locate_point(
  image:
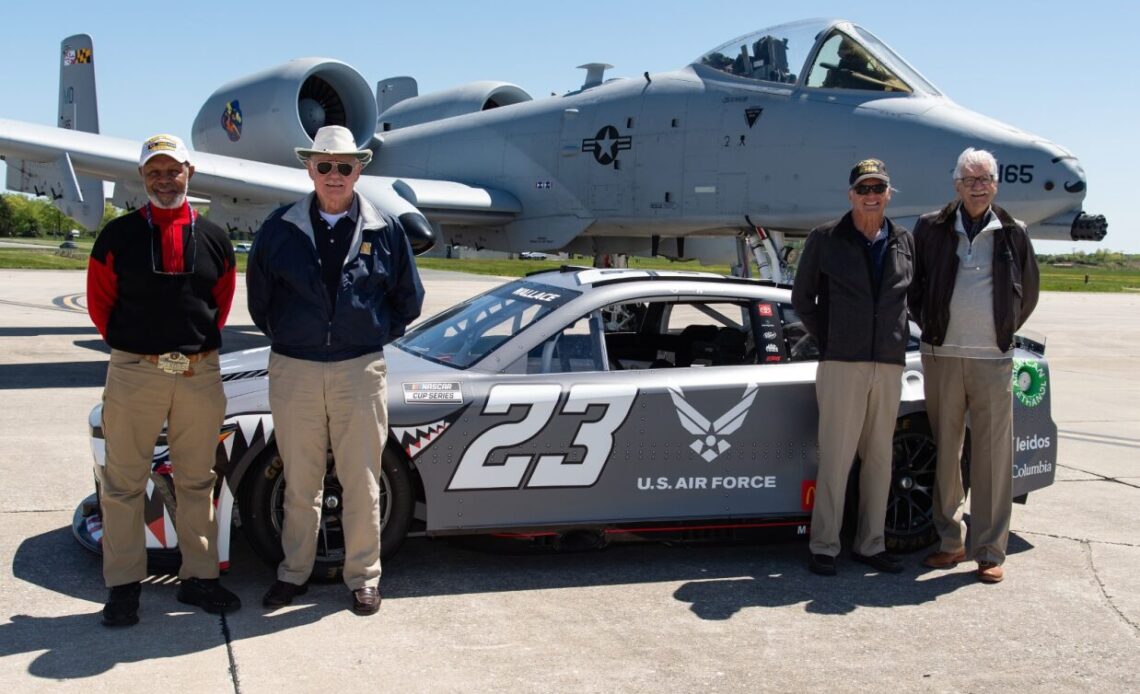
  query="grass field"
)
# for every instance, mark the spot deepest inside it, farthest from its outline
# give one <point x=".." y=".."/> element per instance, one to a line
<point x="1053" y="279"/>
<point x="1088" y="279"/>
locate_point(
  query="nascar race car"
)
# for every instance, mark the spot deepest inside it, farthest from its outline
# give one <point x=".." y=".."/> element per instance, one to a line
<point x="588" y="404"/>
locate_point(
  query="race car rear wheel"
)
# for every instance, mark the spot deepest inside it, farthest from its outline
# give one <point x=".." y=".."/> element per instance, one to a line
<point x="910" y="506"/>
<point x="262" y="511"/>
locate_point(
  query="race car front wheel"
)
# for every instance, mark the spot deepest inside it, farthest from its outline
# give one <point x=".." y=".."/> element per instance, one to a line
<point x="262" y="511"/>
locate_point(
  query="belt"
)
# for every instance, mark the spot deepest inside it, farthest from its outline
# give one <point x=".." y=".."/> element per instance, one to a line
<point x="177" y="362"/>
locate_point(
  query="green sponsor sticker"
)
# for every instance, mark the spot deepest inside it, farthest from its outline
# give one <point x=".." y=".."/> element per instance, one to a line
<point x="1029" y="382"/>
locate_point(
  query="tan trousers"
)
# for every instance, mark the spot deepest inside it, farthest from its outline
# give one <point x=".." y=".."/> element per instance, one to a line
<point x="340" y="406"/>
<point x="980" y="388"/>
<point x="137" y="399"/>
<point x="858" y="405"/>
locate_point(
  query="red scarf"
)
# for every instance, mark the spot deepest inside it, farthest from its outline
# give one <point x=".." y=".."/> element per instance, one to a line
<point x="170" y="224"/>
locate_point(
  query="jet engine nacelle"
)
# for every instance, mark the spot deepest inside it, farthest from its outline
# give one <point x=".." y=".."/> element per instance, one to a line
<point x="265" y="115"/>
<point x="467" y="98"/>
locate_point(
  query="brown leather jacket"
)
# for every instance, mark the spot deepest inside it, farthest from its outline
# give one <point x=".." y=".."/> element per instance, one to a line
<point x="1016" y="278"/>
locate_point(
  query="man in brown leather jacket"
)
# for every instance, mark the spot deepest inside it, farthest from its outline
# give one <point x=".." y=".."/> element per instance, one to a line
<point x="975" y="283"/>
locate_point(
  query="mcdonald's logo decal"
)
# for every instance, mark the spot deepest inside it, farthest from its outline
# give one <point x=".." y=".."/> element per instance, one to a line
<point x="807" y="494"/>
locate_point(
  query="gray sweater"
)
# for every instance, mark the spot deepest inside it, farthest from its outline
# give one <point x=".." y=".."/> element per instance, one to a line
<point x="970" y="332"/>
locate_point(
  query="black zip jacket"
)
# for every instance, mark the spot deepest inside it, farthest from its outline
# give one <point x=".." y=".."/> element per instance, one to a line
<point x="837" y="300"/>
<point x="1016" y="278"/>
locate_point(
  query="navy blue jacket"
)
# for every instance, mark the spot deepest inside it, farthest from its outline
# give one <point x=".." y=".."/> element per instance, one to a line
<point x="380" y="291"/>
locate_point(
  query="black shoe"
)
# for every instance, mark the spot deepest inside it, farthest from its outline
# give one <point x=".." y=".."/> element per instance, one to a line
<point x="822" y="564"/>
<point x="281" y="593"/>
<point x="887" y="563"/>
<point x="366" y="600"/>
<point x="208" y="594"/>
<point x="122" y="608"/>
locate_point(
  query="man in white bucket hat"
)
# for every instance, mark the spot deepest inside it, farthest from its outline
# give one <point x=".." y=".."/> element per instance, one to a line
<point x="330" y="281"/>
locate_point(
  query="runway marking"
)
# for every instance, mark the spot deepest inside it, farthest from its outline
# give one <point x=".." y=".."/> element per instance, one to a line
<point x="69" y="303"/>
<point x="1100" y="438"/>
<point x="72" y="302"/>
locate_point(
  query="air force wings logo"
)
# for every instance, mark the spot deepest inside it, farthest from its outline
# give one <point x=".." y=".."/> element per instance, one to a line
<point x="711" y="441"/>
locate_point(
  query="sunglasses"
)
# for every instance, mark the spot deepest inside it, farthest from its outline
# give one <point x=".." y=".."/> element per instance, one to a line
<point x="324" y="167"/>
<point x="867" y="189"/>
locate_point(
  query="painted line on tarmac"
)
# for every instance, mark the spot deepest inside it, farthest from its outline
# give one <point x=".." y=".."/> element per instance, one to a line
<point x="1100" y="438"/>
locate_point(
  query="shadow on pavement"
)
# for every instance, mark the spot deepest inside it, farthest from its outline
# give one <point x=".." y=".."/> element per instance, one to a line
<point x="91" y="374"/>
<point x="78" y="646"/>
<point x="718" y="582"/>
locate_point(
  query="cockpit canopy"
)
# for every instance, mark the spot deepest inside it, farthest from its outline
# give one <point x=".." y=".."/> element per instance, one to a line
<point x="818" y="54"/>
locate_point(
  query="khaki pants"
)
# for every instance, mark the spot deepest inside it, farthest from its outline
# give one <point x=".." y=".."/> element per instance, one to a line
<point x="858" y="405"/>
<point x="137" y="399"/>
<point x="342" y="406"/>
<point x="980" y="388"/>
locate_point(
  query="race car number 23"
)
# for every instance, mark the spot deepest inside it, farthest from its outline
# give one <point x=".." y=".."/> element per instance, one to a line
<point x="475" y="471"/>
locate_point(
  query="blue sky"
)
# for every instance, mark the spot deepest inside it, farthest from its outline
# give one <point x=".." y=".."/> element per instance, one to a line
<point x="1061" y="70"/>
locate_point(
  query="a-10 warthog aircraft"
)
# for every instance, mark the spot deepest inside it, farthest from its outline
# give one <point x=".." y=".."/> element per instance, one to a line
<point x="751" y="141"/>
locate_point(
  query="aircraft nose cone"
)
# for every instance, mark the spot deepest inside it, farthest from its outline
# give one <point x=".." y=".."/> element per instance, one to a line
<point x="1073" y="176"/>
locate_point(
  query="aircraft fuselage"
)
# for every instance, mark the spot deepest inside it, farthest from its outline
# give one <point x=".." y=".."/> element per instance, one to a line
<point x="697" y="152"/>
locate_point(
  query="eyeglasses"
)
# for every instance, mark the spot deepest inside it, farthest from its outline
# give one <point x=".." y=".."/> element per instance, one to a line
<point x="971" y="181"/>
<point x="868" y="188"/>
<point x="324" y="167"/>
<point x="188" y="265"/>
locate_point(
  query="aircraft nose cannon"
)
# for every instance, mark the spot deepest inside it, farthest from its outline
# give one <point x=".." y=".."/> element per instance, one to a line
<point x="1087" y="227"/>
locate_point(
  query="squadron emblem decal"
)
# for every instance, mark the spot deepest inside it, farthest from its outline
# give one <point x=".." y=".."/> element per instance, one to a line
<point x="711" y="441"/>
<point x="606" y="145"/>
<point x="231" y="120"/>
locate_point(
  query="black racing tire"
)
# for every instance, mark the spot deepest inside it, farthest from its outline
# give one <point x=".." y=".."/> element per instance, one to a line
<point x="910" y="506"/>
<point x="909" y="524"/>
<point x="262" y="511"/>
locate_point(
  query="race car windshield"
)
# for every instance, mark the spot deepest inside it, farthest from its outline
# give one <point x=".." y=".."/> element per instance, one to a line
<point x="466" y="333"/>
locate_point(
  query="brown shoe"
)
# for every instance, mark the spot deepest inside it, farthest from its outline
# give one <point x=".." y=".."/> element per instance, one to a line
<point x="989" y="572"/>
<point x="366" y="600"/>
<point x="944" y="560"/>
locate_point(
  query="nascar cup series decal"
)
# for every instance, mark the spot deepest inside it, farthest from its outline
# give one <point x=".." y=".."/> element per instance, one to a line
<point x="1029" y="382"/>
<point x="432" y="392"/>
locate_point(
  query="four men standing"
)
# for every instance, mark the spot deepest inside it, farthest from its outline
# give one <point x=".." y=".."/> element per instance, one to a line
<point x="331" y="280"/>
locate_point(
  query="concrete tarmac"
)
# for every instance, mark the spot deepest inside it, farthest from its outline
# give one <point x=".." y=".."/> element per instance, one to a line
<point x="631" y="618"/>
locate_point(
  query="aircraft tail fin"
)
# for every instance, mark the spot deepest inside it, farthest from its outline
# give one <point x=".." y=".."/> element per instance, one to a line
<point x="78" y="197"/>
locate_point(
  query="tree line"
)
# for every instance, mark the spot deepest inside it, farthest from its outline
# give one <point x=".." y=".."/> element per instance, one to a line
<point x="25" y="217"/>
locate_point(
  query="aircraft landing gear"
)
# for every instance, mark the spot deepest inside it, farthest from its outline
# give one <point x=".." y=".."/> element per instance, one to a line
<point x="767" y="250"/>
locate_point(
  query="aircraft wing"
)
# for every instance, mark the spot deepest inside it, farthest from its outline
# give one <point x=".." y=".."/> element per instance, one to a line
<point x="242" y="191"/>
